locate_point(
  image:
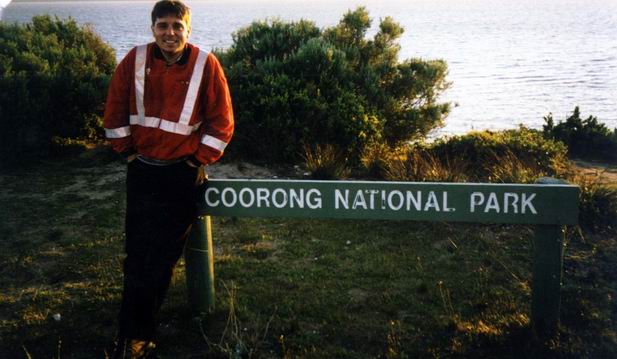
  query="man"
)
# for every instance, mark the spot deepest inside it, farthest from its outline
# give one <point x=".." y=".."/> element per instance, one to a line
<point x="168" y="112"/>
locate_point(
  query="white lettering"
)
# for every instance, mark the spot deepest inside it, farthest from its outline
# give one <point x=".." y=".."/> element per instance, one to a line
<point x="372" y="194"/>
<point x="251" y="200"/>
<point x="431" y="202"/>
<point x="444" y="201"/>
<point x="340" y="199"/>
<point x="314" y="202"/>
<point x="359" y="200"/>
<point x="298" y="198"/>
<point x="417" y="201"/>
<point x="527" y="203"/>
<point x="507" y="203"/>
<point x="401" y="200"/>
<point x="262" y="196"/>
<point x="276" y="203"/>
<point x="477" y="198"/>
<point x="492" y="203"/>
<point x="211" y="203"/>
<point x="234" y="197"/>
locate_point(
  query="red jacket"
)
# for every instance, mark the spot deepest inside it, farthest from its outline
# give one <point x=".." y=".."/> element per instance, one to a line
<point x="169" y="112"/>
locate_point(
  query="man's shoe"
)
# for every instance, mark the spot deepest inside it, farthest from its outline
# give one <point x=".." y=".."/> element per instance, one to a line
<point x="142" y="349"/>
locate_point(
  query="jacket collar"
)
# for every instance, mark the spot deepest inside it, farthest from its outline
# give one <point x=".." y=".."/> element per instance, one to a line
<point x="158" y="54"/>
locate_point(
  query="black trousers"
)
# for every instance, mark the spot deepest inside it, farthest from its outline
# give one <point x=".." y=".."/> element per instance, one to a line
<point x="160" y="210"/>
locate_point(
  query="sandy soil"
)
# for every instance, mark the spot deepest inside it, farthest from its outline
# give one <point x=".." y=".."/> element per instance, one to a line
<point x="238" y="170"/>
<point x="606" y="173"/>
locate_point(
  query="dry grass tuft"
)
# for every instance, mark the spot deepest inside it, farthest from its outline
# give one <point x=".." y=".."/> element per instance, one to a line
<point x="598" y="204"/>
<point x="325" y="162"/>
<point x="420" y="165"/>
<point x="508" y="168"/>
<point x="238" y="340"/>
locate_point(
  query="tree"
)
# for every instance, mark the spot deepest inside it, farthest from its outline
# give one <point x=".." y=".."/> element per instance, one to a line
<point x="588" y="138"/>
<point x="54" y="76"/>
<point x="294" y="84"/>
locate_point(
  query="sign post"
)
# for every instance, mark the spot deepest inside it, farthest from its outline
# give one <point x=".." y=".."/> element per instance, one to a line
<point x="199" y="260"/>
<point x="549" y="205"/>
<point x="546" y="279"/>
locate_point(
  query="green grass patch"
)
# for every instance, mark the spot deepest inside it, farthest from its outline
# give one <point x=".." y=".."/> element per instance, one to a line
<point x="289" y="288"/>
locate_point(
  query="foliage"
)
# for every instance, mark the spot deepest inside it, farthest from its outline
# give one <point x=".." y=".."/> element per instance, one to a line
<point x="325" y="162"/>
<point x="54" y="75"/>
<point x="508" y="168"/>
<point x="598" y="205"/>
<point x="510" y="156"/>
<point x="295" y="84"/>
<point x="484" y="150"/>
<point x="421" y="165"/>
<point x="376" y="158"/>
<point x="588" y="138"/>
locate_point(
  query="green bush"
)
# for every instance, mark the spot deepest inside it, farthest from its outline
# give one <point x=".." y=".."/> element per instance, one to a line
<point x="598" y="205"/>
<point x="294" y="84"/>
<point x="510" y="156"/>
<point x="54" y="76"/>
<point x="587" y="139"/>
<point x="325" y="162"/>
<point x="421" y="165"/>
<point x="484" y="151"/>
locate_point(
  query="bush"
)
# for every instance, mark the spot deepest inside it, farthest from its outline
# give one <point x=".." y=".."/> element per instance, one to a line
<point x="325" y="162"/>
<point x="484" y="151"/>
<point x="587" y="139"/>
<point x="421" y="165"/>
<point x="511" y="156"/>
<point x="376" y="158"/>
<point x="295" y="84"/>
<point x="598" y="205"/>
<point x="54" y="76"/>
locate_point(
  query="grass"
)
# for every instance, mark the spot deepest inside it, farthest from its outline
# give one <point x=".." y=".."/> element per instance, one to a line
<point x="288" y="288"/>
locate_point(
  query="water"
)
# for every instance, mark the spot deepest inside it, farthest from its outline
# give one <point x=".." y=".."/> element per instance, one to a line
<point x="511" y="62"/>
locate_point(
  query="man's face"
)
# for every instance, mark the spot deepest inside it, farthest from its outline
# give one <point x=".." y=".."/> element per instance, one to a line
<point x="171" y="34"/>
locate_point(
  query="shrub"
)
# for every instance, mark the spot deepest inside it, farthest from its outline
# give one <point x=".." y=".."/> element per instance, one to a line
<point x="325" y="162"/>
<point x="598" y="205"/>
<point x="421" y="165"/>
<point x="511" y="156"/>
<point x="508" y="168"/>
<point x="54" y="76"/>
<point x="485" y="150"/>
<point x="376" y="158"/>
<point x="293" y="84"/>
<point x="587" y="139"/>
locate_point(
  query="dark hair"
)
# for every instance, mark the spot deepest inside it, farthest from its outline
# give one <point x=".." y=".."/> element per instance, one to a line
<point x="176" y="8"/>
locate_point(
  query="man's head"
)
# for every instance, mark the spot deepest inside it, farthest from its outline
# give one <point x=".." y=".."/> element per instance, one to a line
<point x="171" y="25"/>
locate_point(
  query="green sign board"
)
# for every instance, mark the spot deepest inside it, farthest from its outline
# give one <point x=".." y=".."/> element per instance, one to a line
<point x="451" y="202"/>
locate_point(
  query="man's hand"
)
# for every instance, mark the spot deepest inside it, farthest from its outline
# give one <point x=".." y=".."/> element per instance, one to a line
<point x="131" y="158"/>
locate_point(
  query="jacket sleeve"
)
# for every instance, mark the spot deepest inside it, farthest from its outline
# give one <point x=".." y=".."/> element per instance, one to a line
<point x="117" y="107"/>
<point x="218" y="124"/>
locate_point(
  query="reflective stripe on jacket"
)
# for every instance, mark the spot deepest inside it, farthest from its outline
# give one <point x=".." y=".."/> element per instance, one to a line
<point x="168" y="112"/>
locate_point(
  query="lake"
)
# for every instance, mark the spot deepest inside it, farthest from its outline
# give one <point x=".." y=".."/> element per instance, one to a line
<point x="511" y="61"/>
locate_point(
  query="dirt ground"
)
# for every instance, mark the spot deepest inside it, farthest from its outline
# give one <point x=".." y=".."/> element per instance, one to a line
<point x="606" y="173"/>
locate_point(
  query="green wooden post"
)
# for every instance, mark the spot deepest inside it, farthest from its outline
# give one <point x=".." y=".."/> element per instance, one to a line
<point x="199" y="259"/>
<point x="546" y="281"/>
<point x="547" y="274"/>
